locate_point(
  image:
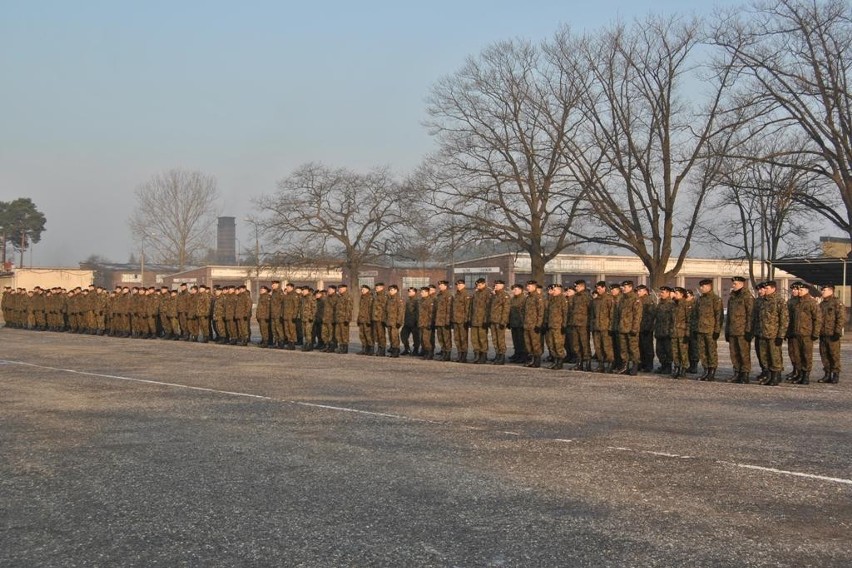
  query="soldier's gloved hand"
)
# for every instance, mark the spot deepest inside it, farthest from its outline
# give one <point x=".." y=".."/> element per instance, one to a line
<point x="749" y="336"/>
<point x="835" y="337"/>
<point x="716" y="336"/>
<point x="779" y="341"/>
<point x="633" y="334"/>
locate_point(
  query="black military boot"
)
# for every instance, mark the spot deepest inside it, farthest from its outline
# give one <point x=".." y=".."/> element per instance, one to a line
<point x="536" y="363"/>
<point x="692" y="369"/>
<point x="406" y="351"/>
<point x="476" y="360"/>
<point x="804" y="378"/>
<point x="395" y="353"/>
<point x="736" y="378"/>
<point x="825" y="377"/>
<point x="774" y="379"/>
<point x="675" y="371"/>
<point x="462" y="358"/>
<point x="703" y="376"/>
<point x="380" y="352"/>
<point x="500" y="359"/>
<point x="835" y="378"/>
<point x="792" y="376"/>
<point x="745" y="378"/>
<point x="711" y="376"/>
<point x="631" y="369"/>
<point x="558" y="364"/>
<point x="763" y="374"/>
<point x="448" y="355"/>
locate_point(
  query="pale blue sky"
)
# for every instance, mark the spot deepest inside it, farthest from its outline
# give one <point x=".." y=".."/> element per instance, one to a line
<point x="97" y="96"/>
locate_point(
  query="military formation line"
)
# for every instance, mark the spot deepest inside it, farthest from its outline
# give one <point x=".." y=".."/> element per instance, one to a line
<point x="619" y="329"/>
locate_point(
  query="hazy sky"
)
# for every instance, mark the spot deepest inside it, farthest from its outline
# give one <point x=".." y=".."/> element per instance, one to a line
<point x="98" y="96"/>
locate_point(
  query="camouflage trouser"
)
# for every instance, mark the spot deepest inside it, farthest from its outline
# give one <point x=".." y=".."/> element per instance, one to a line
<point x="629" y="347"/>
<point x="365" y="335"/>
<point x="532" y="341"/>
<point x="708" y="351"/>
<point x="192" y="324"/>
<point x="204" y="327"/>
<point x="277" y="328"/>
<point x="555" y="342"/>
<point x="664" y="350"/>
<point x="829" y="352"/>
<point x="479" y="338"/>
<point x="759" y="352"/>
<point x="233" y="332"/>
<point x="693" y="349"/>
<point x="219" y="324"/>
<point x="393" y="335"/>
<point x="341" y="333"/>
<point x="793" y="352"/>
<point x="771" y="354"/>
<point x="680" y="352"/>
<point x="498" y="337"/>
<point x="182" y="317"/>
<point x="380" y="338"/>
<point x="307" y="330"/>
<point x="265" y="331"/>
<point x="426" y="339"/>
<point x="579" y="337"/>
<point x="243" y="329"/>
<point x="740" y="353"/>
<point x="803" y="347"/>
<point x="445" y="338"/>
<point x="460" y="335"/>
<point x="603" y="346"/>
<point x="289" y="330"/>
<point x="327" y="333"/>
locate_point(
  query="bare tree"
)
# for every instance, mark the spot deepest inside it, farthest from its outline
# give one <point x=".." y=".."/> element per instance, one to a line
<point x="175" y="214"/>
<point x="648" y="135"/>
<point x="333" y="213"/>
<point x="758" y="212"/>
<point x="795" y="57"/>
<point x="503" y="123"/>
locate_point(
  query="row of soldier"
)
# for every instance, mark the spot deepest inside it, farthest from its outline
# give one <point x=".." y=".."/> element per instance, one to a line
<point x="622" y="324"/>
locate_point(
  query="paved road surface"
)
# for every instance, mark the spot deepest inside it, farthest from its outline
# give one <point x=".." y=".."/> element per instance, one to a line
<point x="141" y="453"/>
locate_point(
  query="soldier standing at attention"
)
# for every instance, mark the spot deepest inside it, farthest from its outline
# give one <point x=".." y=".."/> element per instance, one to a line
<point x="708" y="326"/>
<point x="663" y="330"/>
<point x="680" y="332"/>
<point x="425" y="321"/>
<point x="578" y="326"/>
<point x="316" y="333"/>
<point x="808" y="324"/>
<point x="276" y="315"/>
<point x="444" y="319"/>
<point x="557" y="310"/>
<point x="289" y="315"/>
<point x="342" y="318"/>
<point x="516" y="324"/>
<point x="377" y="319"/>
<point x="646" y="329"/>
<point x="394" y="316"/>
<point x="183" y="310"/>
<point x="770" y="325"/>
<point x="219" y="326"/>
<point x="308" y="310"/>
<point x="792" y="350"/>
<point x="243" y="314"/>
<point x="533" y="321"/>
<point x="571" y="356"/>
<point x="629" y="321"/>
<point x="764" y="371"/>
<point x="693" y="336"/>
<point x="461" y="320"/>
<point x="479" y="321"/>
<point x="738" y="329"/>
<point x="618" y="364"/>
<point x="498" y="317"/>
<point x="328" y="308"/>
<point x="833" y="323"/>
<point x="601" y="311"/>
<point x="263" y="314"/>
<point x="365" y="321"/>
<point x="410" y="333"/>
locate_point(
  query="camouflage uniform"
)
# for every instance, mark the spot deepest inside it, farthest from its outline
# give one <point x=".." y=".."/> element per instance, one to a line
<point x="554" y="321"/>
<point x="377" y="320"/>
<point x="263" y="315"/>
<point x="394" y="317"/>
<point x="242" y="313"/>
<point x="342" y="320"/>
<point x="276" y="315"/>
<point x="578" y="329"/>
<point x="603" y="310"/>
<point x="663" y="334"/>
<point x="308" y="309"/>
<point x="738" y="332"/>
<point x="516" y="324"/>
<point x="443" y="322"/>
<point x="479" y="323"/>
<point x="365" y="323"/>
<point x="461" y="322"/>
<point x="805" y="331"/>
<point x="629" y="322"/>
<point x="770" y="325"/>
<point x="533" y="320"/>
<point x="498" y="317"/>
<point x="425" y="321"/>
<point x="707" y="314"/>
<point x="679" y="332"/>
<point x="833" y="323"/>
<point x="646" y="333"/>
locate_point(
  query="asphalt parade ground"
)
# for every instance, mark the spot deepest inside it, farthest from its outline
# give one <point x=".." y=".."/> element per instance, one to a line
<point x="121" y="452"/>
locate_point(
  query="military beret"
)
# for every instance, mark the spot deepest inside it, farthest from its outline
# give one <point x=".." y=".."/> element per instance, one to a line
<point x="364" y="287"/>
<point x="344" y="285"/>
<point x="499" y="282"/>
<point x="289" y="285"/>
<point x="705" y="282"/>
<point x="641" y="287"/>
<point x="460" y="281"/>
<point x="615" y="286"/>
<point x="627" y="283"/>
<point x="827" y="286"/>
<point x="579" y="282"/>
<point x="737" y="279"/>
<point x="601" y="284"/>
<point x="332" y="287"/>
<point x="517" y="286"/>
<point x="690" y="293"/>
<point x="770" y="284"/>
<point x="532" y="283"/>
<point x="264" y="288"/>
<point x="556" y="285"/>
<point x="412" y="289"/>
<point x="480" y="281"/>
<point x="444" y="282"/>
<point x="391" y="287"/>
<point x="680" y="290"/>
<point x="666" y="289"/>
<point x="424" y="289"/>
<point x="382" y="284"/>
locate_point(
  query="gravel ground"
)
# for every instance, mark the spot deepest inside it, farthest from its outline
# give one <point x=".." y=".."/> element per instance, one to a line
<point x="145" y="453"/>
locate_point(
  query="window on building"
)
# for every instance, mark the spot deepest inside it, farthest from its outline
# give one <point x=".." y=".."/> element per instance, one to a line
<point x="366" y="281"/>
<point x="414" y="281"/>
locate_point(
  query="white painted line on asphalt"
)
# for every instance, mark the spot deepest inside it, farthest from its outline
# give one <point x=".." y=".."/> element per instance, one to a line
<point x="410" y="419"/>
<point x="357" y="411"/>
<point x="563" y="440"/>
<point x="131" y="379"/>
<point x="785" y="472"/>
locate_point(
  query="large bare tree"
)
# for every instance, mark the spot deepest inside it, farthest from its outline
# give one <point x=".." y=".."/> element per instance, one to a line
<point x="175" y="214"/>
<point x="333" y="213"/>
<point x="794" y="58"/>
<point x="758" y="212"/>
<point x="502" y="124"/>
<point x="648" y="134"/>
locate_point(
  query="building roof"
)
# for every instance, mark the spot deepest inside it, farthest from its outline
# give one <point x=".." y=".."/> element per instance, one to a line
<point x="816" y="270"/>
